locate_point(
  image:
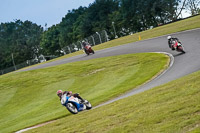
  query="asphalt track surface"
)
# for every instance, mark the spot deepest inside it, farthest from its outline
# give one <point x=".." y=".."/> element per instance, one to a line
<point x="182" y="64"/>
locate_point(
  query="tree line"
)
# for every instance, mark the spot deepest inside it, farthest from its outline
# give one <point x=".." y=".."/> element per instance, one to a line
<point x="20" y="40"/>
<point x="26" y="40"/>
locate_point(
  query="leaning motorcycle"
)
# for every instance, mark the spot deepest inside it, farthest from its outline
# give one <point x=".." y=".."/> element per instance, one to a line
<point x="178" y="46"/>
<point x="88" y="49"/>
<point x="74" y="105"/>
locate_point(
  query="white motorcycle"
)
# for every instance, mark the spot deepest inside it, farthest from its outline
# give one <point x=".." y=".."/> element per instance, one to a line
<point x="74" y="105"/>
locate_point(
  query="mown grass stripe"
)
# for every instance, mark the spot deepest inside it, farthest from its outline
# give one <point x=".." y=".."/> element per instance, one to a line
<point x="35" y="100"/>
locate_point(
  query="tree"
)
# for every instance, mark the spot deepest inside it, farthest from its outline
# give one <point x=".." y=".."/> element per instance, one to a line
<point x="20" y="39"/>
<point x="193" y="6"/>
<point x="181" y="8"/>
<point x="50" y="42"/>
<point x="97" y="16"/>
<point x="69" y="27"/>
<point x="139" y="15"/>
<point x="125" y="16"/>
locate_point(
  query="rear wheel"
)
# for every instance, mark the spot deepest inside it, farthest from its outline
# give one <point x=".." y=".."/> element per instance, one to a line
<point x="72" y="108"/>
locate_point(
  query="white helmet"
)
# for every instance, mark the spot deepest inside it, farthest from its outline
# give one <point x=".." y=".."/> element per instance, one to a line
<point x="169" y="37"/>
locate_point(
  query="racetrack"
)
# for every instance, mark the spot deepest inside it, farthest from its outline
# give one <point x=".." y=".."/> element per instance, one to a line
<point x="183" y="63"/>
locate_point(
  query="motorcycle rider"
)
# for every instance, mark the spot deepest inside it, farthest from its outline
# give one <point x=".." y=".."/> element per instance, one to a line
<point x="83" y="45"/>
<point x="170" y="42"/>
<point x="60" y="94"/>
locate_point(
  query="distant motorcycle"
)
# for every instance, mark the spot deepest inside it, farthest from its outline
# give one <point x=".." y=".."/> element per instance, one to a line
<point x="74" y="105"/>
<point x="177" y="46"/>
<point x="88" y="49"/>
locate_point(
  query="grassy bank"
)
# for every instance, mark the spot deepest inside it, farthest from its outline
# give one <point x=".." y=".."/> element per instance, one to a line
<point x="29" y="98"/>
<point x="170" y="108"/>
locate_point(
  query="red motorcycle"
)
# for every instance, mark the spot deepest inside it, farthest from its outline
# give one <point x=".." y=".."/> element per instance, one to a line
<point x="88" y="49"/>
<point x="177" y="46"/>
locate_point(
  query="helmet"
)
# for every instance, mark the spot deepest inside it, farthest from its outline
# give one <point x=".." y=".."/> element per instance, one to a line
<point x="169" y="37"/>
<point x="83" y="41"/>
<point x="59" y="92"/>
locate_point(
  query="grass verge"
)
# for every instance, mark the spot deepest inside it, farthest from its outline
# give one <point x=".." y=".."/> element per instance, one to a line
<point x="170" y="108"/>
<point x="29" y="98"/>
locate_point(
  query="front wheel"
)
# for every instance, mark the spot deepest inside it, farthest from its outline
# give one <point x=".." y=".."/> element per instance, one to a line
<point x="88" y="105"/>
<point x="180" y="48"/>
<point x="71" y="108"/>
<point x="87" y="52"/>
<point x="183" y="51"/>
<point x="93" y="51"/>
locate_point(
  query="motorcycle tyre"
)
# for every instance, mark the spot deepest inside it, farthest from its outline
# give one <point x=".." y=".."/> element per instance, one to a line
<point x="181" y="50"/>
<point x="93" y="51"/>
<point x="88" y="105"/>
<point x="70" y="110"/>
<point x="87" y="52"/>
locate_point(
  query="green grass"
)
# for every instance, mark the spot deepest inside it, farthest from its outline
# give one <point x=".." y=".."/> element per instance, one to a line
<point x="29" y="98"/>
<point x="170" y="108"/>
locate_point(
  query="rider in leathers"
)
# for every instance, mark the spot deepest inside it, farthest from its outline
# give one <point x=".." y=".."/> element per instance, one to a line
<point x="60" y="93"/>
<point x="170" y="41"/>
<point x="84" y="44"/>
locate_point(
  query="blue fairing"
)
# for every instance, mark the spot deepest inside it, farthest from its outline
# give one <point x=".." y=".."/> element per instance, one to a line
<point x="80" y="107"/>
<point x="67" y="98"/>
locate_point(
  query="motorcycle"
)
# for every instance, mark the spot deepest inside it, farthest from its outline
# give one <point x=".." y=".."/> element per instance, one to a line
<point x="74" y="105"/>
<point x="88" y="49"/>
<point x="178" y="46"/>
